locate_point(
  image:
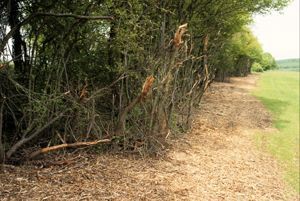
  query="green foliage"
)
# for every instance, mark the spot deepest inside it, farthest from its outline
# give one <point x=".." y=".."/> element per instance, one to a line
<point x="247" y="44"/>
<point x="279" y="91"/>
<point x="268" y="62"/>
<point x="256" y="67"/>
<point x="96" y="68"/>
<point x="240" y="52"/>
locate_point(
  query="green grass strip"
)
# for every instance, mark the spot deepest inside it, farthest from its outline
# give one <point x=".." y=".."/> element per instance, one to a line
<point x="279" y="92"/>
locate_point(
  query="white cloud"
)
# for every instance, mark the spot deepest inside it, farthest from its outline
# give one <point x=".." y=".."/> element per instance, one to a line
<point x="278" y="32"/>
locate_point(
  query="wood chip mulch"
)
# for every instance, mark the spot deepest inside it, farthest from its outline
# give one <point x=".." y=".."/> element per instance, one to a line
<point x="216" y="160"/>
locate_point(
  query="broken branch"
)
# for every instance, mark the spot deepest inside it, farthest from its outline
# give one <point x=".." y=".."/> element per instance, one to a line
<point x="178" y="35"/>
<point x="145" y="90"/>
<point x="62" y="146"/>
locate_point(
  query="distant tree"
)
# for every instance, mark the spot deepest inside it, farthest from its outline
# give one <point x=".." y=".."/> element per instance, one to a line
<point x="268" y="62"/>
<point x="256" y="67"/>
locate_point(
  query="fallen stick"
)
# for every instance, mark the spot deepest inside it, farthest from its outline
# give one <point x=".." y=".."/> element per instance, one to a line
<point x="62" y="146"/>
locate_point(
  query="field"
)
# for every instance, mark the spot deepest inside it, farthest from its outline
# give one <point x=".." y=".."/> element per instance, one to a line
<point x="279" y="92"/>
<point x="289" y="64"/>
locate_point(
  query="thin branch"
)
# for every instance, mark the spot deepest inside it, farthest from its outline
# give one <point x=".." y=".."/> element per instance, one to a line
<point x="96" y="93"/>
<point x="24" y="140"/>
<point x="84" y="17"/>
<point x="28" y="19"/>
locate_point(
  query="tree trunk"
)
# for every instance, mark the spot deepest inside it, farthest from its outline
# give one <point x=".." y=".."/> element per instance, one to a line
<point x="2" y="151"/>
<point x="13" y="19"/>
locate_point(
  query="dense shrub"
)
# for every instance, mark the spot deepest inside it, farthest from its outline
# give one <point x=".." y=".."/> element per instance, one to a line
<point x="126" y="71"/>
<point x="256" y="67"/>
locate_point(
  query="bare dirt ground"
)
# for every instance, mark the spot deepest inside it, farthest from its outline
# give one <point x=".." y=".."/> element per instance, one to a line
<point x="216" y="160"/>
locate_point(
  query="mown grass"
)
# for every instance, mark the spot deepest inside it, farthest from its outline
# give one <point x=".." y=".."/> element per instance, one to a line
<point x="279" y="92"/>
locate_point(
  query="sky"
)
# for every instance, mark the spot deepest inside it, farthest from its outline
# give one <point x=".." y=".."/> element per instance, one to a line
<point x="278" y="32"/>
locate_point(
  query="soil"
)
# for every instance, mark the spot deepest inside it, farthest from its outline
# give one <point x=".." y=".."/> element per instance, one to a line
<point x="216" y="160"/>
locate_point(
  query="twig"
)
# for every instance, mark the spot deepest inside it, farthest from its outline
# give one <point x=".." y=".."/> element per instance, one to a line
<point x="85" y="17"/>
<point x="95" y="94"/>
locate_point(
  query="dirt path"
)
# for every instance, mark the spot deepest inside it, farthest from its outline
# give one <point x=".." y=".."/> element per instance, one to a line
<point x="216" y="160"/>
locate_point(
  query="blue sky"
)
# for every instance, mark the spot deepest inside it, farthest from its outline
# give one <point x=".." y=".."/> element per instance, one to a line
<point x="278" y="32"/>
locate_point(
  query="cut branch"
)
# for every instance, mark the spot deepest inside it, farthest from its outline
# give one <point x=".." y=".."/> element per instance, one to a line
<point x="62" y="146"/>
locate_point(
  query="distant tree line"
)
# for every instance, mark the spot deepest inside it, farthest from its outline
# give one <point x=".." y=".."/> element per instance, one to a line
<point x="289" y="64"/>
<point x="126" y="73"/>
<point x="241" y="54"/>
